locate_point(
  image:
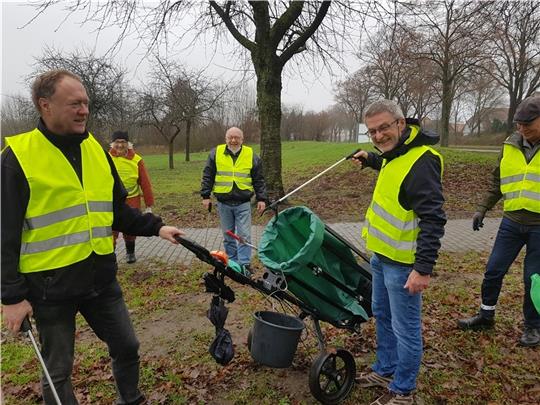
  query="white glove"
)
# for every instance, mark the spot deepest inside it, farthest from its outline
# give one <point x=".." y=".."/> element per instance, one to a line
<point x="148" y="210"/>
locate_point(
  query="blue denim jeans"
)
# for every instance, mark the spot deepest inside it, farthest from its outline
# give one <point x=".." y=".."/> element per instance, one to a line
<point x="398" y="323"/>
<point x="236" y="218"/>
<point x="511" y="238"/>
<point x="108" y="317"/>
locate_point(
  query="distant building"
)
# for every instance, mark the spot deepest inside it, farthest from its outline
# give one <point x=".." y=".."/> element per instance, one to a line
<point x="491" y="119"/>
<point x="362" y="133"/>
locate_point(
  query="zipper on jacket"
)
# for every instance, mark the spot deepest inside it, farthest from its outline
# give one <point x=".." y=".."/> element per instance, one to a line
<point x="46" y="287"/>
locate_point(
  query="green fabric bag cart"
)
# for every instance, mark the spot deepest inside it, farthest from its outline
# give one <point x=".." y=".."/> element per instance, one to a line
<point x="319" y="268"/>
<point x="308" y="265"/>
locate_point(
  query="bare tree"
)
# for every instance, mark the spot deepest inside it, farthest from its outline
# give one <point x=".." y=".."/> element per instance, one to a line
<point x="271" y="33"/>
<point x="453" y="38"/>
<point x="515" y="49"/>
<point x="102" y="78"/>
<point x="355" y="93"/>
<point x="175" y="97"/>
<point x="18" y="115"/>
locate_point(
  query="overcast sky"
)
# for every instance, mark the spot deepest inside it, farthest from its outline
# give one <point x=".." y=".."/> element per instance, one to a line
<point x="20" y="45"/>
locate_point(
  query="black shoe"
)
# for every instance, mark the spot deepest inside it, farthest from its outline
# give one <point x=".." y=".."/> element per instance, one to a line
<point x="477" y="322"/>
<point x="530" y="337"/>
<point x="130" y="258"/>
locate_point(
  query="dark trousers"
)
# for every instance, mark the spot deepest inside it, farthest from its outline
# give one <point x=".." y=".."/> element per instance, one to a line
<point x="511" y="238"/>
<point x="108" y="317"/>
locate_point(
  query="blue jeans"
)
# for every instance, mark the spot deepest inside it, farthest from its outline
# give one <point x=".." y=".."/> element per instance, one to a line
<point x="108" y="317"/>
<point x="511" y="238"/>
<point x="398" y="323"/>
<point x="236" y="218"/>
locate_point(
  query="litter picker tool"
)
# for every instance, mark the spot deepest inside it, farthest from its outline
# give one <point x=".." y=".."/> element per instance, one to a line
<point x="27" y="327"/>
<point x="241" y="240"/>
<point x="276" y="203"/>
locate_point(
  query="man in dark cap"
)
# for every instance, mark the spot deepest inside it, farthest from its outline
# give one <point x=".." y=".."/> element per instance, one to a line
<point x="132" y="172"/>
<point x="517" y="180"/>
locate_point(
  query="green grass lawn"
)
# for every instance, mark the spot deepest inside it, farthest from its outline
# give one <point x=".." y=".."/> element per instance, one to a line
<point x="168" y="307"/>
<point x="341" y="194"/>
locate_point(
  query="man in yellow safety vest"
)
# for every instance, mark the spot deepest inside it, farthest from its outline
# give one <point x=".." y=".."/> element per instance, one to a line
<point x="403" y="227"/>
<point x="234" y="173"/>
<point x="517" y="180"/>
<point x="61" y="198"/>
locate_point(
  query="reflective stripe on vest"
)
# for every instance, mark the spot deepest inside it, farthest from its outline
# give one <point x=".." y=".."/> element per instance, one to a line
<point x="229" y="172"/>
<point x="64" y="221"/>
<point x="390" y="229"/>
<point x="128" y="170"/>
<point x="520" y="181"/>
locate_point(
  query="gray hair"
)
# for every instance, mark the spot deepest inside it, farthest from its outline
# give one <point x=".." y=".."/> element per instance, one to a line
<point x="382" y="106"/>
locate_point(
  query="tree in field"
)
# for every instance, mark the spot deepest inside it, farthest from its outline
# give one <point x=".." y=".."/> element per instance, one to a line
<point x="453" y="38"/>
<point x="355" y="93"/>
<point x="18" y="115"/>
<point x="271" y="33"/>
<point x="514" y="48"/>
<point x="174" y="98"/>
<point x="102" y="78"/>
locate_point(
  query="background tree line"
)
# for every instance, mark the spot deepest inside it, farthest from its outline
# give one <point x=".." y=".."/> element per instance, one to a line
<point x="444" y="61"/>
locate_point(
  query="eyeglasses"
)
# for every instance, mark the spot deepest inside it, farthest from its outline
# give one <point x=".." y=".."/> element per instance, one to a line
<point x="383" y="129"/>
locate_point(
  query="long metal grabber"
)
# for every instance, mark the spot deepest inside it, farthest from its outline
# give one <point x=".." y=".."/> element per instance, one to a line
<point x="275" y="203"/>
<point x="27" y="327"/>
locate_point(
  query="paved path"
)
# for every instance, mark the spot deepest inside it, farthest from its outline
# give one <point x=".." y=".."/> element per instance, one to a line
<point x="459" y="237"/>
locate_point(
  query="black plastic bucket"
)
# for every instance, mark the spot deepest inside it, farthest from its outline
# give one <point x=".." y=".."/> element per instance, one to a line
<point x="275" y="338"/>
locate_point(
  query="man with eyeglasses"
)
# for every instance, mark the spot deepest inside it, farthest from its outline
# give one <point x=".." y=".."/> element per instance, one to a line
<point x="516" y="179"/>
<point x="403" y="227"/>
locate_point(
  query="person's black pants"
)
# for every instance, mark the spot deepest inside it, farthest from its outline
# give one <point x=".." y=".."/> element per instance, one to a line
<point x="108" y="317"/>
<point x="511" y="238"/>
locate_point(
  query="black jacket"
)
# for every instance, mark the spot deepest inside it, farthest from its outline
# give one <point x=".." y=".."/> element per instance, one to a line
<point x="236" y="196"/>
<point x="79" y="280"/>
<point x="421" y="191"/>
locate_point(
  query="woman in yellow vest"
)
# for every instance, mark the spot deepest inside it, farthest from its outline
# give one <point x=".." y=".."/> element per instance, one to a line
<point x="133" y="174"/>
<point x="517" y="181"/>
<point x="403" y="227"/>
<point x="61" y="197"/>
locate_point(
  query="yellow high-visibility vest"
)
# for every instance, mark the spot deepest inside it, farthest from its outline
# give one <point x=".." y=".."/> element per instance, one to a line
<point x="229" y="172"/>
<point x="128" y="170"/>
<point x="65" y="221"/>
<point x="520" y="181"/>
<point x="390" y="229"/>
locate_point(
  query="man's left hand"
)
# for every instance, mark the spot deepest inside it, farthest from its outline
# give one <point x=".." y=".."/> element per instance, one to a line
<point x="261" y="205"/>
<point x="417" y="282"/>
<point x="169" y="232"/>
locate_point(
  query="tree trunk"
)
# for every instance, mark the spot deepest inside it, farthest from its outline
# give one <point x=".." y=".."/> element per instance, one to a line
<point x="171" y="153"/>
<point x="511" y="111"/>
<point x="188" y="133"/>
<point x="269" y="105"/>
<point x="445" y="111"/>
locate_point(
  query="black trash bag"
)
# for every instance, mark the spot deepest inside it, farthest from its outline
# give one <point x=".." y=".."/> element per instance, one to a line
<point x="221" y="349"/>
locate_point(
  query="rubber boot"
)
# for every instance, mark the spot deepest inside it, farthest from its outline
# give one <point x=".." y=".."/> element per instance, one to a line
<point x="481" y="321"/>
<point x="130" y="251"/>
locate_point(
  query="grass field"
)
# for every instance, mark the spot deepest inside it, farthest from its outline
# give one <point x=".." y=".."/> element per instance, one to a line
<point x="341" y="194"/>
<point x="168" y="307"/>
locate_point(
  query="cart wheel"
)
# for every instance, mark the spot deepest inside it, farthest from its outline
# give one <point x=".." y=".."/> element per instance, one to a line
<point x="331" y="376"/>
<point x="250" y="336"/>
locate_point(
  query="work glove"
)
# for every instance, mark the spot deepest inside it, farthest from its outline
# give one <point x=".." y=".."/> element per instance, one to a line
<point x="477" y="221"/>
<point x="148" y="210"/>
